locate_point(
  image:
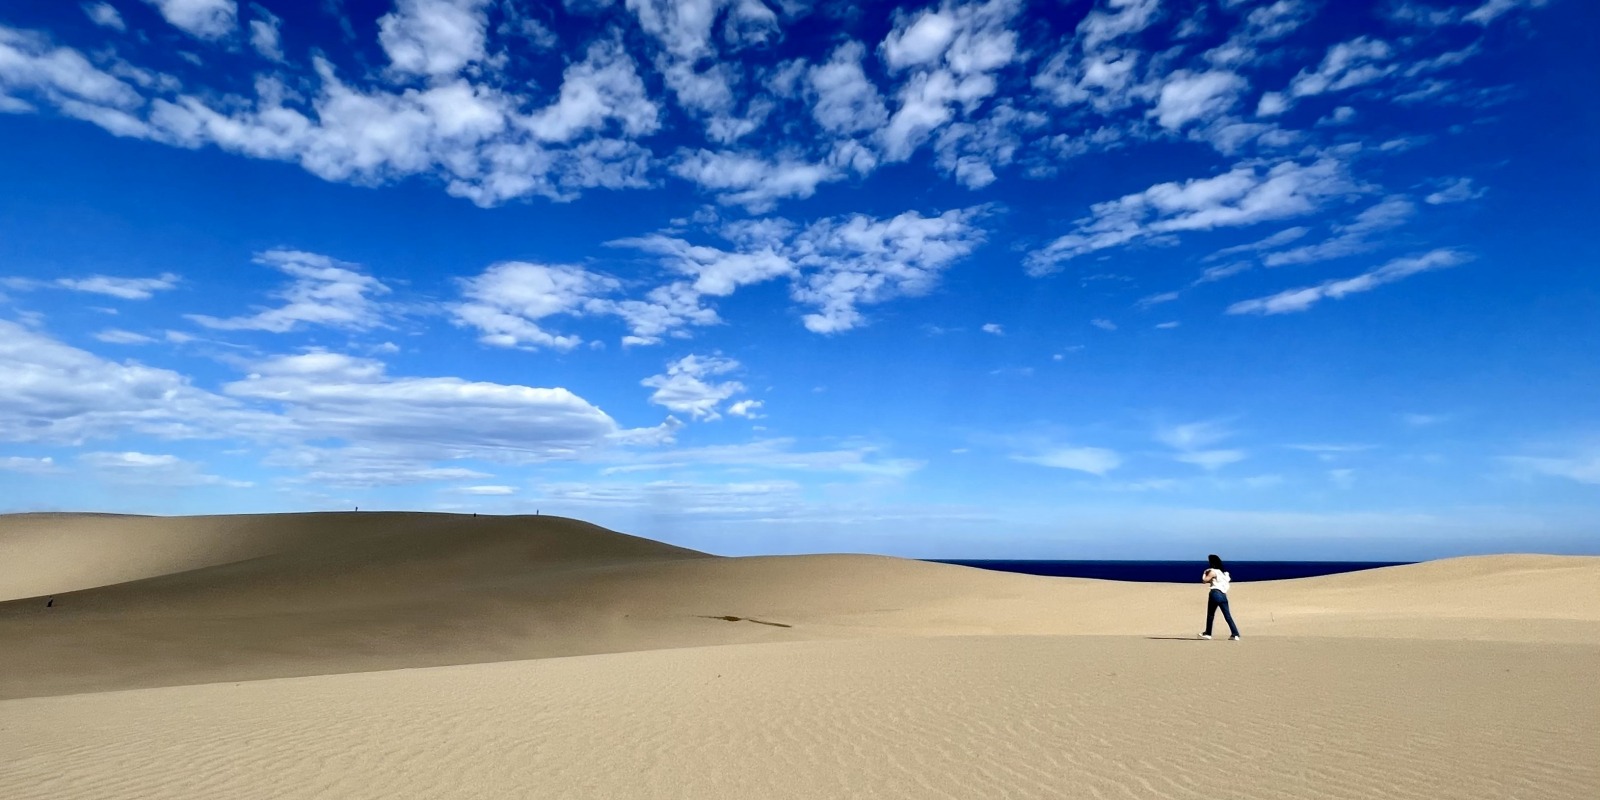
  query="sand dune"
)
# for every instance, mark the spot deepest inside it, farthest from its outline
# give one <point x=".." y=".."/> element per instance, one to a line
<point x="399" y="645"/>
<point x="924" y="718"/>
<point x="54" y="553"/>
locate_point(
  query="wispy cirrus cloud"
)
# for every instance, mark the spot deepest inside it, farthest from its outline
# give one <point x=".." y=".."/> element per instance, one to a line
<point x="145" y="469"/>
<point x="1581" y="468"/>
<point x="108" y="285"/>
<point x="1194" y="443"/>
<point x="1351" y="237"/>
<point x="323" y="291"/>
<point x="1245" y="195"/>
<point x="1093" y="460"/>
<point x="1292" y="301"/>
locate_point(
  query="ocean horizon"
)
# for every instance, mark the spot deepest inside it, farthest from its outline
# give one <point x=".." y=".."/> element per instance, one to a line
<point x="1187" y="571"/>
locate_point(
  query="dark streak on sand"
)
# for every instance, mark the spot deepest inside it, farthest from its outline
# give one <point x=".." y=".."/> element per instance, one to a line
<point x="731" y="618"/>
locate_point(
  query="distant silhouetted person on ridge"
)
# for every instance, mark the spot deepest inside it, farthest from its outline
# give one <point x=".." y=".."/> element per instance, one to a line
<point x="1216" y="576"/>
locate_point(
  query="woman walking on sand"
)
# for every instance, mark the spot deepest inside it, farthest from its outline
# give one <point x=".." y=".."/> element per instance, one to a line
<point x="1216" y="575"/>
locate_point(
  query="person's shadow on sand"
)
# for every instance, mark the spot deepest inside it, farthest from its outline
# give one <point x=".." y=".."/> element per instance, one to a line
<point x="1174" y="639"/>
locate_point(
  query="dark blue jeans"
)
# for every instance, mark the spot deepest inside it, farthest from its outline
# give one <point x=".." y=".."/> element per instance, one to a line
<point x="1219" y="599"/>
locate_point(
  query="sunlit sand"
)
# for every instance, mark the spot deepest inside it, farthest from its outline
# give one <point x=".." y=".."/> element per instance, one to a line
<point x="427" y="655"/>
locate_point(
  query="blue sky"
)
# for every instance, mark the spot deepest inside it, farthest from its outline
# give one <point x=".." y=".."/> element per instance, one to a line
<point x="1110" y="279"/>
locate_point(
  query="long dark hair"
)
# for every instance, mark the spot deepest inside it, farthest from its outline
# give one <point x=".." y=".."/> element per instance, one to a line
<point x="1216" y="562"/>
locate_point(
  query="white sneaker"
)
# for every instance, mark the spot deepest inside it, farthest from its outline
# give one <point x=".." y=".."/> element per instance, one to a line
<point x="1230" y="638"/>
<point x="1205" y="636"/>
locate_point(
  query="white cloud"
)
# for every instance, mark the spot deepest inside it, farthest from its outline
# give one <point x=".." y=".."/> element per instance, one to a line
<point x="1583" y="468"/>
<point x="751" y="180"/>
<point x="434" y="38"/>
<point x="922" y="41"/>
<point x="324" y="291"/>
<point x="488" y="491"/>
<point x="1272" y="104"/>
<point x="28" y="465"/>
<point x="204" y="19"/>
<point x="952" y="54"/>
<point x="846" y="101"/>
<point x="1295" y="300"/>
<point x="746" y="408"/>
<point x="1103" y="324"/>
<point x="721" y="498"/>
<point x="1346" y="65"/>
<point x="994" y="328"/>
<point x="836" y="264"/>
<point x="111" y="286"/>
<point x="1106" y="79"/>
<point x="1187" y="96"/>
<point x="1122" y="17"/>
<point x="1343" y="115"/>
<point x="57" y="393"/>
<point x="1272" y="242"/>
<point x="105" y="15"/>
<point x="1220" y="272"/>
<point x="683" y="28"/>
<point x="971" y="151"/>
<point x="125" y="288"/>
<point x="1211" y="459"/>
<point x="1457" y="191"/>
<point x="858" y="260"/>
<point x="1167" y="325"/>
<point x="474" y="137"/>
<point x="324" y="395"/>
<point x="666" y="310"/>
<point x="511" y="301"/>
<point x="1352" y="237"/>
<point x="367" y="465"/>
<point x="264" y="34"/>
<point x="1494" y="9"/>
<point x="715" y="272"/>
<point x="683" y="387"/>
<point x="59" y="75"/>
<point x="604" y="86"/>
<point x="1093" y="460"/>
<point x="1416" y="420"/>
<point x="117" y="336"/>
<point x="1423" y="15"/>
<point x="1331" y="452"/>
<point x="1242" y="196"/>
<point x="1193" y="435"/>
<point x="1193" y="442"/>
<point x="1262" y="25"/>
<point x="144" y="469"/>
<point x="775" y="454"/>
<point x="1342" y="478"/>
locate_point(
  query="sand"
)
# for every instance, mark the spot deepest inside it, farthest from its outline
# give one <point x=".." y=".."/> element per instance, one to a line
<point x="417" y="655"/>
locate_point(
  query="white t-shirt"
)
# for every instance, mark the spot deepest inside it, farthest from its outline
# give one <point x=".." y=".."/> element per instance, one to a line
<point x="1219" y="580"/>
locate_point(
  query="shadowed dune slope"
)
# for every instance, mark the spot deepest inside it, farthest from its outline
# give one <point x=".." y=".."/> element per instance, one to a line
<point x="343" y="593"/>
<point x="56" y="553"/>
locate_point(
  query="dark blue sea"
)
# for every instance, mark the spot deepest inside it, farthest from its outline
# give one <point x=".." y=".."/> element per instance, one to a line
<point x="1171" y="571"/>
